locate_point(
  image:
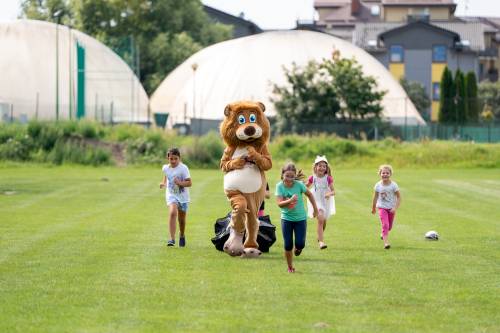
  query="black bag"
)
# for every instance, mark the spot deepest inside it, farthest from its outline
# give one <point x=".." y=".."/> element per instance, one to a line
<point x="222" y="229"/>
<point x="265" y="238"/>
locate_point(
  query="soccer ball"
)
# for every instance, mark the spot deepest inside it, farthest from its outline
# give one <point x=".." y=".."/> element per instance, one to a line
<point x="431" y="235"/>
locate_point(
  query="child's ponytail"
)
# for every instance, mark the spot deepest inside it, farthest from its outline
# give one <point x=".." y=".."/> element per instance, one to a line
<point x="299" y="175"/>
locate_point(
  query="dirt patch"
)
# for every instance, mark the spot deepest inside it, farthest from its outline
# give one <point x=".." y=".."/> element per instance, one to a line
<point x="117" y="149"/>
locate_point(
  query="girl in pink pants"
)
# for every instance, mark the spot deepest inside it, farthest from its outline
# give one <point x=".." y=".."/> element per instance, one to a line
<point x="386" y="218"/>
<point x="386" y="198"/>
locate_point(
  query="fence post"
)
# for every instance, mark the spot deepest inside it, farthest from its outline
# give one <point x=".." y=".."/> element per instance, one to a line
<point x="95" y="108"/>
<point x="37" y="104"/>
<point x="111" y="113"/>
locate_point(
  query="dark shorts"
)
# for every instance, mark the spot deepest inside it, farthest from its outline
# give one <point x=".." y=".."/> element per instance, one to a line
<point x="294" y="227"/>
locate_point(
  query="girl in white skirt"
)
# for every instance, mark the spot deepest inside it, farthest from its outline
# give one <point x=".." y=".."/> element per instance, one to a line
<point x="321" y="186"/>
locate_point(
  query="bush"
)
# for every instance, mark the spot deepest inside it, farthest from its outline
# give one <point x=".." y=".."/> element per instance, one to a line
<point x="69" y="128"/>
<point x="34" y="129"/>
<point x="387" y="143"/>
<point x="345" y="147"/>
<point x="79" y="153"/>
<point x="124" y="132"/>
<point x="88" y="130"/>
<point x="49" y="133"/>
<point x="79" y="142"/>
<point x="14" y="150"/>
<point x="150" y="148"/>
<point x="11" y="132"/>
<point x="307" y="148"/>
<point x="206" y="151"/>
<point x="53" y="142"/>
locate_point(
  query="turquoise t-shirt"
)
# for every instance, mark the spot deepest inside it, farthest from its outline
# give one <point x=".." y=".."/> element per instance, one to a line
<point x="297" y="213"/>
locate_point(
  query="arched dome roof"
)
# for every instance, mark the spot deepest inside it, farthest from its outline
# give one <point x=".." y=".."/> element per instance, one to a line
<point x="28" y="71"/>
<point x="244" y="68"/>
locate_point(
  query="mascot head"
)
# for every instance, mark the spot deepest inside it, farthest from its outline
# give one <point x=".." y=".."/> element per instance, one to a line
<point x="245" y="124"/>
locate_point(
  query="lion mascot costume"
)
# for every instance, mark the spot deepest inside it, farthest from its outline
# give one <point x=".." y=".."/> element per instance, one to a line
<point x="245" y="130"/>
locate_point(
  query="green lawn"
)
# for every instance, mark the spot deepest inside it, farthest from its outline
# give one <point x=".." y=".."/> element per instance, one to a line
<point x="84" y="250"/>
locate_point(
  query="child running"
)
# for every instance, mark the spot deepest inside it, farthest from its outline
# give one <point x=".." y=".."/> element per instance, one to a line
<point x="321" y="185"/>
<point x="176" y="180"/>
<point x="386" y="198"/>
<point x="293" y="215"/>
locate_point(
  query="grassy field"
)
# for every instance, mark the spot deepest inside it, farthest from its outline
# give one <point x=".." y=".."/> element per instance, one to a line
<point x="84" y="250"/>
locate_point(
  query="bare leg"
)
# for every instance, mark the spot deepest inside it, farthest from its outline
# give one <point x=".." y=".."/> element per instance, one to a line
<point x="182" y="223"/>
<point x="289" y="258"/>
<point x="172" y="220"/>
<point x="321" y="225"/>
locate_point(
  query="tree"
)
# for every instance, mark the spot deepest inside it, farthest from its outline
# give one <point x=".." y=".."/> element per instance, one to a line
<point x="472" y="97"/>
<point x="163" y="32"/>
<point x="446" y="98"/>
<point x="45" y="10"/>
<point x="357" y="93"/>
<point x="331" y="91"/>
<point x="489" y="95"/>
<point x="308" y="97"/>
<point x="461" y="98"/>
<point x="418" y="96"/>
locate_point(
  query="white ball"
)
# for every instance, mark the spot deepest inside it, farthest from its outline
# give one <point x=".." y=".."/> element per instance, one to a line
<point x="432" y="235"/>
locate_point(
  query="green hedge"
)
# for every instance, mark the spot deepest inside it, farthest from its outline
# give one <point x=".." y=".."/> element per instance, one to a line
<point x="91" y="143"/>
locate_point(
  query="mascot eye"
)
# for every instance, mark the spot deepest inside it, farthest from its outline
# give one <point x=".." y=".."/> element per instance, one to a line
<point x="253" y="118"/>
<point x="241" y="119"/>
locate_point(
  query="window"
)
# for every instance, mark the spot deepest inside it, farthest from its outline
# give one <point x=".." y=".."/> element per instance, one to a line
<point x="424" y="11"/>
<point x="439" y="53"/>
<point x="397" y="53"/>
<point x="435" y="91"/>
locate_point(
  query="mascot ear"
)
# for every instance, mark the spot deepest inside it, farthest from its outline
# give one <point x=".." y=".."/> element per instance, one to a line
<point x="227" y="110"/>
<point x="262" y="106"/>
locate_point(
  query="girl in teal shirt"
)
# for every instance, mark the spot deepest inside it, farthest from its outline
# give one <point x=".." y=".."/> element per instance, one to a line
<point x="293" y="214"/>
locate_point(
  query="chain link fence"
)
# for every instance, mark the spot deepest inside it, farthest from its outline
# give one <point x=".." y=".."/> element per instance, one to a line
<point x="487" y="132"/>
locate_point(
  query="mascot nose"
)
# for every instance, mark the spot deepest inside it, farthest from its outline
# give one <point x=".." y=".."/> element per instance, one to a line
<point x="250" y="130"/>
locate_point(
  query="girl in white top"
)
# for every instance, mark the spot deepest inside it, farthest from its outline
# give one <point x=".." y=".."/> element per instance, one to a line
<point x="387" y="198"/>
<point x="176" y="180"/>
<point x="321" y="185"/>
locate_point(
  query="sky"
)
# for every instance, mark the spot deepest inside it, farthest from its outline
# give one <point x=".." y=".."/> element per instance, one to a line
<point x="282" y="14"/>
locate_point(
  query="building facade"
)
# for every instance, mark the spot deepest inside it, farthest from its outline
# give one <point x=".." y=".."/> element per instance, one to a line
<point x="416" y="39"/>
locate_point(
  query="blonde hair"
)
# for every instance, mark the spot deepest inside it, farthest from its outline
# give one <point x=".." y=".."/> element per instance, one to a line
<point x="385" y="166"/>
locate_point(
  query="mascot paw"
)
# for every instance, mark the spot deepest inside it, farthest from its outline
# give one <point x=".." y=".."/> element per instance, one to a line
<point x="234" y="245"/>
<point x="250" y="252"/>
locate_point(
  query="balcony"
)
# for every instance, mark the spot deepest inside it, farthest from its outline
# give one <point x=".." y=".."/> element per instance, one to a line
<point x="490" y="53"/>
